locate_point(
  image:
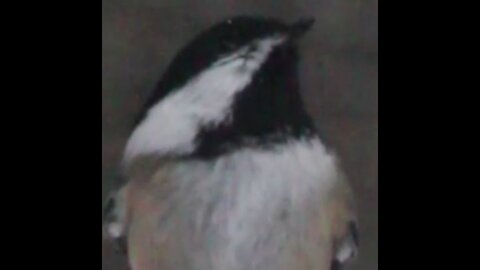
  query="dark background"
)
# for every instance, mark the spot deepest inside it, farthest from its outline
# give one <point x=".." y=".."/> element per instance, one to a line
<point x="339" y="69"/>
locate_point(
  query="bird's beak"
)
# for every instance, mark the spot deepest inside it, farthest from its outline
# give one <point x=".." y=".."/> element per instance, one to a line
<point x="301" y="26"/>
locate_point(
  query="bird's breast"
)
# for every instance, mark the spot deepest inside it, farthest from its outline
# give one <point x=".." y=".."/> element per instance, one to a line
<point x="250" y="209"/>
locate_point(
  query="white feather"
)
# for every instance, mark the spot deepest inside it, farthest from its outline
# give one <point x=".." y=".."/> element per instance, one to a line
<point x="172" y="124"/>
<point x="232" y="205"/>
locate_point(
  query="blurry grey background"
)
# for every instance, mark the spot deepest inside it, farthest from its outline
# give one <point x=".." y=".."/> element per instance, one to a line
<point x="339" y="68"/>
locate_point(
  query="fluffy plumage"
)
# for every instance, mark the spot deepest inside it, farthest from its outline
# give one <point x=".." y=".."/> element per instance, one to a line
<point x="225" y="169"/>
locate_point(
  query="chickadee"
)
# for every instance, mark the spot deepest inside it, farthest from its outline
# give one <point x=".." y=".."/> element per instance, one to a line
<point x="225" y="170"/>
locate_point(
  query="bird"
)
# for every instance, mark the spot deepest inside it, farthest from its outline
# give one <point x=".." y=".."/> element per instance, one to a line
<point x="225" y="169"/>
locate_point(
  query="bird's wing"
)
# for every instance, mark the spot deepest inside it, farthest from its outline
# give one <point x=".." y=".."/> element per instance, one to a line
<point x="115" y="219"/>
<point x="148" y="246"/>
<point x="331" y="238"/>
<point x="341" y="216"/>
<point x="118" y="209"/>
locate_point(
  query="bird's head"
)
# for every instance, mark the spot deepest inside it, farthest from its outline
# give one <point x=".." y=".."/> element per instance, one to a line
<point x="233" y="83"/>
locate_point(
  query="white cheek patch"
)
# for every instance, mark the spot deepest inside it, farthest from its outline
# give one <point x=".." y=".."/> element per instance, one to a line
<point x="171" y="125"/>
